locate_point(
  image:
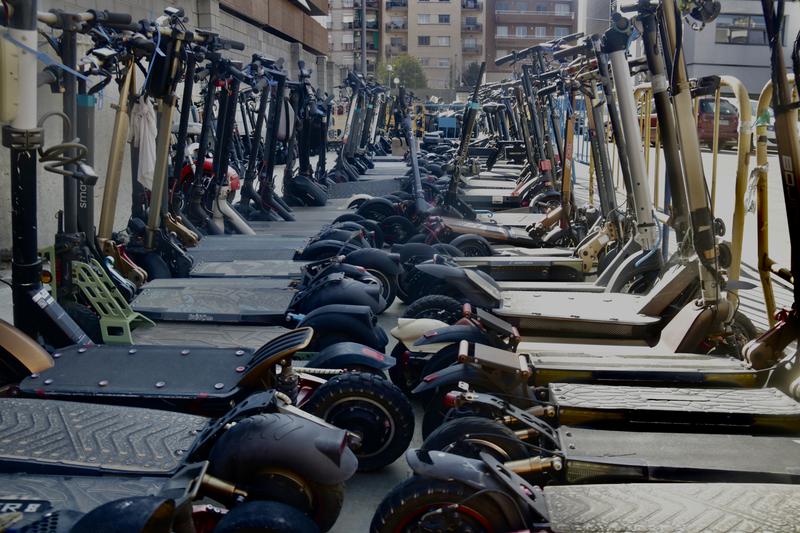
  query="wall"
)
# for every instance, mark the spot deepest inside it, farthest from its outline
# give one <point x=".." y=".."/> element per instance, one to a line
<point x="201" y="13"/>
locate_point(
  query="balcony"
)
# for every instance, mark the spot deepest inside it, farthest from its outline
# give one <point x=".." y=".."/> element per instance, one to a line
<point x="528" y="37"/>
<point x="472" y="5"/>
<point x="472" y="28"/>
<point x="471" y="49"/>
<point x="395" y="49"/>
<point x="397" y="4"/>
<point x="371" y="25"/>
<point x="532" y="17"/>
<point x="394" y="26"/>
<point x="371" y="4"/>
<point x="371" y="48"/>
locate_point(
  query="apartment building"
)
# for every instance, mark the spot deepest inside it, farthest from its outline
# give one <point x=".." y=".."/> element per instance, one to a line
<point x="344" y="36"/>
<point x="517" y="24"/>
<point x="445" y="35"/>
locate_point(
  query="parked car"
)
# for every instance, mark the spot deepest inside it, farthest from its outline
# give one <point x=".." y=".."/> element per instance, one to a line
<point x="728" y="123"/>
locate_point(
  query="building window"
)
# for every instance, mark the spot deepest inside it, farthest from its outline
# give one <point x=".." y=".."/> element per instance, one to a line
<point x="471" y="43"/>
<point x="541" y="7"/>
<point x="424" y="40"/>
<point x="500" y="53"/>
<point x="443" y="62"/>
<point x="541" y="31"/>
<point x="562" y="9"/>
<point x="471" y="21"/>
<point x="443" y="41"/>
<point x="425" y="61"/>
<point x="396" y="41"/>
<point x="503" y="5"/>
<point x="444" y="19"/>
<point x="348" y="4"/>
<point x="502" y="31"/>
<point x="521" y="31"/>
<point x="423" y="19"/>
<point x="522" y="6"/>
<point x="561" y="31"/>
<point x="741" y="29"/>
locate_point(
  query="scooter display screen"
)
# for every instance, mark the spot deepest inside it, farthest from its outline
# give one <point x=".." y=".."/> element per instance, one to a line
<point x="484" y="284"/>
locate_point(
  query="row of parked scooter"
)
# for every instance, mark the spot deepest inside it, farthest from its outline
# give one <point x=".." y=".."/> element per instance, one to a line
<point x="565" y="362"/>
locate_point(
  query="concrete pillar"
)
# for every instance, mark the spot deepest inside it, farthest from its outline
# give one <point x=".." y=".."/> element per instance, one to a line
<point x="294" y="56"/>
<point x="330" y="69"/>
<point x="321" y="74"/>
<point x="208" y="14"/>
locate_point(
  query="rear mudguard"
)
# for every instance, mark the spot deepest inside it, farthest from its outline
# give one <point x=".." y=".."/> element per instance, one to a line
<point x="473" y="473"/>
<point x="450" y="377"/>
<point x="358" y="322"/>
<point x="349" y="354"/>
<point x="408" y="330"/>
<point x="453" y="334"/>
<point x="456" y="279"/>
<point x="355" y="201"/>
<point x="306" y="191"/>
<point x="323" y="249"/>
<point x="337" y="289"/>
<point x="414" y="252"/>
<point x="277" y="441"/>
<point x="348" y="232"/>
<point x="637" y="264"/>
<point x="375" y="259"/>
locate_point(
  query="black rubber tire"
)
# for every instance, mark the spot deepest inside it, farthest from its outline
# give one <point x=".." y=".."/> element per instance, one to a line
<point x="374" y="210"/>
<point x="363" y="393"/>
<point x="418" y="495"/>
<point x="436" y="306"/>
<point x="472" y="245"/>
<point x="388" y="283"/>
<point x="470" y="435"/>
<point x="743" y="332"/>
<point x="444" y="248"/>
<point x="155" y="266"/>
<point x="399" y="373"/>
<point x="348" y="217"/>
<point x="403" y="195"/>
<point x="397" y="229"/>
<point x="265" y="517"/>
<point x="418" y="238"/>
<point x="375" y="228"/>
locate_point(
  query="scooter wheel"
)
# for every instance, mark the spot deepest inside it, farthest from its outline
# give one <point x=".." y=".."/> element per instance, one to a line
<point x="447" y="249"/>
<point x="468" y="436"/>
<point x="370" y="407"/>
<point x="266" y="517"/>
<point x="397" y="229"/>
<point x="348" y="217"/>
<point x="377" y="232"/>
<point x="406" y="507"/>
<point x="436" y="306"/>
<point x="472" y="245"/>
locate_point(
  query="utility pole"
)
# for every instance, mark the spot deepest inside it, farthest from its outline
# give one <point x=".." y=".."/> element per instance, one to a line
<point x="364" y="38"/>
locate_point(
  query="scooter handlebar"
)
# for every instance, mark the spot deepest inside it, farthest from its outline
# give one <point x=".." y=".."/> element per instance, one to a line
<point x="110" y="18"/>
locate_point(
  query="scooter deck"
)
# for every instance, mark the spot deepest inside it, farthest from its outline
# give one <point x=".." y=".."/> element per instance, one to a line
<point x="551" y="286"/>
<point x="669" y="507"/>
<point x="204" y="334"/>
<point x="248" y="247"/>
<point x="33" y="495"/>
<point x="664" y="369"/>
<point x="57" y="437"/>
<point x="594" y="315"/>
<point x="591" y="455"/>
<point x="223" y="300"/>
<point x="749" y="409"/>
<point x="275" y="268"/>
<point x="519" y="220"/>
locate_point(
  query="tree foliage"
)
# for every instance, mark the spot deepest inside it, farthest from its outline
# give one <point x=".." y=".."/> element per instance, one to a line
<point x="471" y="73"/>
<point x="405" y="67"/>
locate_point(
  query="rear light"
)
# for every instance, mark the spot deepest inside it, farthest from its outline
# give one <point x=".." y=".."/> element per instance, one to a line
<point x="374" y="354"/>
<point x="430" y="334"/>
<point x="46" y="277"/>
<point x="451" y="399"/>
<point x="429" y="378"/>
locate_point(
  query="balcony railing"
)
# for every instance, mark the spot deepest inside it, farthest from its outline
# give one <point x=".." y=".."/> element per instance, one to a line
<point x="526" y="37"/>
<point x="561" y="14"/>
<point x="370" y="46"/>
<point x="471" y="48"/>
<point x="371" y="25"/>
<point x="472" y="4"/>
<point x="471" y="28"/>
<point x="394" y="49"/>
<point x="396" y="4"/>
<point x="394" y="26"/>
<point x="371" y="4"/>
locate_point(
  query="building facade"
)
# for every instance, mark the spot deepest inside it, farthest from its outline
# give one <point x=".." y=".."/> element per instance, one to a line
<point x="517" y="24"/>
<point x="445" y="35"/>
<point x="344" y="36"/>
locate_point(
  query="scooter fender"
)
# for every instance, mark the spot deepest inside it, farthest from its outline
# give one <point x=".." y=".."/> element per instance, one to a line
<point x="450" y="377"/>
<point x="348" y="354"/>
<point x="447" y="335"/>
<point x="546" y="196"/>
<point x="277" y="441"/>
<point x="375" y="259"/>
<point x="408" y="330"/>
<point x="325" y="248"/>
<point x="358" y="322"/>
<point x="456" y="279"/>
<point x="450" y="467"/>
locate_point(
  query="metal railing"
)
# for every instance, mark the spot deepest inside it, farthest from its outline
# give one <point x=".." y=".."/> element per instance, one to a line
<point x="565" y="14"/>
<point x="472" y="48"/>
<point x="393" y="26"/>
<point x="471" y="4"/>
<point x="396" y="4"/>
<point x="471" y="27"/>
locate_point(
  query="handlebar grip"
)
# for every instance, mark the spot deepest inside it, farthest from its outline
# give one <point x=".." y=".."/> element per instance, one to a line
<point x="143" y="44"/>
<point x="230" y="44"/>
<point x="238" y="74"/>
<point x="550" y="89"/>
<point x="571" y="38"/>
<point x="104" y="16"/>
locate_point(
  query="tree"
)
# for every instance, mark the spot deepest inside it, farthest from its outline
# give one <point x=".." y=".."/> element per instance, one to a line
<point x="408" y="69"/>
<point x="471" y="74"/>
